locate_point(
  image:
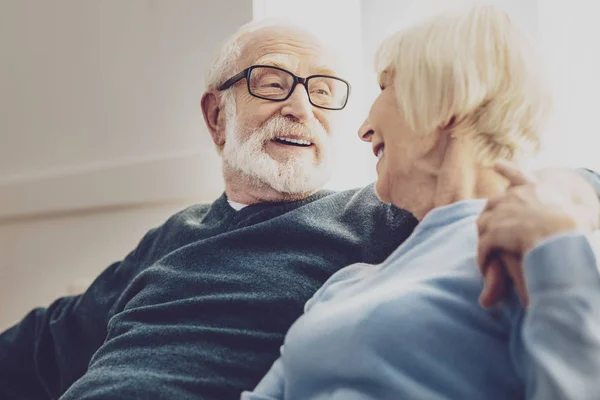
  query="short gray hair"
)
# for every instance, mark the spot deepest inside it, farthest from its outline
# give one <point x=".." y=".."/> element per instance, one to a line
<point x="225" y="62"/>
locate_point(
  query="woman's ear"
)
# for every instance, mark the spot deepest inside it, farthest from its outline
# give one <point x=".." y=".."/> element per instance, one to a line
<point x="214" y="117"/>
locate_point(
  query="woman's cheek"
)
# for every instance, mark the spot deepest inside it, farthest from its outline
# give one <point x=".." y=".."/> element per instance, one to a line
<point x="381" y="187"/>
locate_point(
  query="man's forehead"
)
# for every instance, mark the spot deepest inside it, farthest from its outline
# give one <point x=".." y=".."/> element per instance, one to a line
<point x="292" y="63"/>
<point x="288" y="49"/>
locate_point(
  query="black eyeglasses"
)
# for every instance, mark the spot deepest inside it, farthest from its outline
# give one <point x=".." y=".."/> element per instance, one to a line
<point x="277" y="84"/>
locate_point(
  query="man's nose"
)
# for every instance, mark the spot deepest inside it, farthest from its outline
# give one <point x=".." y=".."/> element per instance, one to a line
<point x="297" y="106"/>
<point x="365" y="132"/>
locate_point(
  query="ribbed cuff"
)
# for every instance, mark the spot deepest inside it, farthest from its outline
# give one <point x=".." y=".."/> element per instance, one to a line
<point x="560" y="262"/>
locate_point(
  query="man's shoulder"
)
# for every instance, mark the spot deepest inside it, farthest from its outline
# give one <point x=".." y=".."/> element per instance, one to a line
<point x="362" y="200"/>
<point x="358" y="208"/>
<point x="194" y="212"/>
<point x="176" y="231"/>
<point x="365" y="195"/>
<point x="193" y="216"/>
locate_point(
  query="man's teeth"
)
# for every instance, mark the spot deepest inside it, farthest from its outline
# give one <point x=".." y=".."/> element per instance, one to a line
<point x="296" y="141"/>
<point x="380" y="153"/>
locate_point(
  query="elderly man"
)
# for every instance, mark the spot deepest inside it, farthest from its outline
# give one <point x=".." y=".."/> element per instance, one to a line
<point x="200" y="307"/>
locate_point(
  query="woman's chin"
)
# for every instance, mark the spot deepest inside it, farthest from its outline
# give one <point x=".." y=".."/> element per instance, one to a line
<point x="381" y="193"/>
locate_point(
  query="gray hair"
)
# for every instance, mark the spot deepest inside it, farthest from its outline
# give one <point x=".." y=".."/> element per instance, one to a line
<point x="225" y="62"/>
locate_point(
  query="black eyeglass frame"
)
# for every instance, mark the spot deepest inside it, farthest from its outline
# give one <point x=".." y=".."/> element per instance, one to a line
<point x="304" y="81"/>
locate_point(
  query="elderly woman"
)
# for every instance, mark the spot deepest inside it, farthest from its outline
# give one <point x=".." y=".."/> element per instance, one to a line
<point x="459" y="93"/>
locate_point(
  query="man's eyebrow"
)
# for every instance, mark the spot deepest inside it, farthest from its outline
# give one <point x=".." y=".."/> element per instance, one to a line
<point x="323" y="70"/>
<point x="275" y="61"/>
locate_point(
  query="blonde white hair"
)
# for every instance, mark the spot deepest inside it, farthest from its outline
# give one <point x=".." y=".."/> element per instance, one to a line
<point x="474" y="72"/>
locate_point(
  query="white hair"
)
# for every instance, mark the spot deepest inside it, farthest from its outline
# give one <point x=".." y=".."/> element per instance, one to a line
<point x="474" y="72"/>
<point x="225" y="63"/>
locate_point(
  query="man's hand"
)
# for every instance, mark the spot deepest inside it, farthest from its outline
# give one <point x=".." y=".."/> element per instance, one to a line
<point x="533" y="208"/>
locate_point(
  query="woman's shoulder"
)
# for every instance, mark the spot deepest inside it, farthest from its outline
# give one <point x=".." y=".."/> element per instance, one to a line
<point x="340" y="279"/>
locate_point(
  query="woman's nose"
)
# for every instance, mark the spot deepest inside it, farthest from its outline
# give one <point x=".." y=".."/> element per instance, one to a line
<point x="365" y="132"/>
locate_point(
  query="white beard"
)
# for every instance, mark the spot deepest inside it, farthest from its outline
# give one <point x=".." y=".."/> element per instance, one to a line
<point x="297" y="175"/>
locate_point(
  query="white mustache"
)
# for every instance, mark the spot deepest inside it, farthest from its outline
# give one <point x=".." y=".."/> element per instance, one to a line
<point x="281" y="126"/>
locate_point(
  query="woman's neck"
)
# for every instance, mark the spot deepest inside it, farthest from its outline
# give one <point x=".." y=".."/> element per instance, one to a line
<point x="450" y="176"/>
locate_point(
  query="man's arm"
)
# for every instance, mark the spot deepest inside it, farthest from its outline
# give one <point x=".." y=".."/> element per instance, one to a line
<point x="272" y="385"/>
<point x="50" y="348"/>
<point x="560" y="330"/>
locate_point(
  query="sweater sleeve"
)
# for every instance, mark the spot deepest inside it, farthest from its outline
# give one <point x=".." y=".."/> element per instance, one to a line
<point x="42" y="355"/>
<point x="272" y="385"/>
<point x="559" y="333"/>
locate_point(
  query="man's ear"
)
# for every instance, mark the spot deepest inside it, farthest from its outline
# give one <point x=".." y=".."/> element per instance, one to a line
<point x="214" y="117"/>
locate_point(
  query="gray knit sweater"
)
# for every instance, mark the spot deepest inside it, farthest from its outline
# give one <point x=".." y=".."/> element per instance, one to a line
<point x="199" y="309"/>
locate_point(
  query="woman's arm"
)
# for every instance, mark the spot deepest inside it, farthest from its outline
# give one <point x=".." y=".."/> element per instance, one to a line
<point x="541" y="233"/>
<point x="272" y="385"/>
<point x="558" y="343"/>
<point x="533" y="207"/>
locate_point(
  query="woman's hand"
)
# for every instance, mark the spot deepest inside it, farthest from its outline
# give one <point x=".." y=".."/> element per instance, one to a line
<point x="532" y="209"/>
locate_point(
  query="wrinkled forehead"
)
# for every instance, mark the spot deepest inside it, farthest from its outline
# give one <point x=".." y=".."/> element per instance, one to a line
<point x="294" y="50"/>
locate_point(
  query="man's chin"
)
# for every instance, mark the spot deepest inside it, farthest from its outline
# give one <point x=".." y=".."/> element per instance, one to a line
<point x="294" y="174"/>
<point x="295" y="178"/>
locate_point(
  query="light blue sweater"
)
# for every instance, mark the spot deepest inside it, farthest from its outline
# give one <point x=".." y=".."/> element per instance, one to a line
<point x="412" y="328"/>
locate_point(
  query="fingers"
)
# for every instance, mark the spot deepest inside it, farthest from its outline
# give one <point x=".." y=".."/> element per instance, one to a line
<point x="501" y="230"/>
<point x="494" y="201"/>
<point x="514" y="269"/>
<point x="513" y="173"/>
<point x="503" y="270"/>
<point x="496" y="283"/>
<point x="483" y="223"/>
<point x="486" y="246"/>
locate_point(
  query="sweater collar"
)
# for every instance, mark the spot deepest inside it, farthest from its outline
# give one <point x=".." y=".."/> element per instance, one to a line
<point x="451" y="213"/>
<point x="221" y="209"/>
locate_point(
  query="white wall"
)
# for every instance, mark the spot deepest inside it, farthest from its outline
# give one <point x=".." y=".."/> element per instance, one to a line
<point x="570" y="41"/>
<point x="101" y="134"/>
